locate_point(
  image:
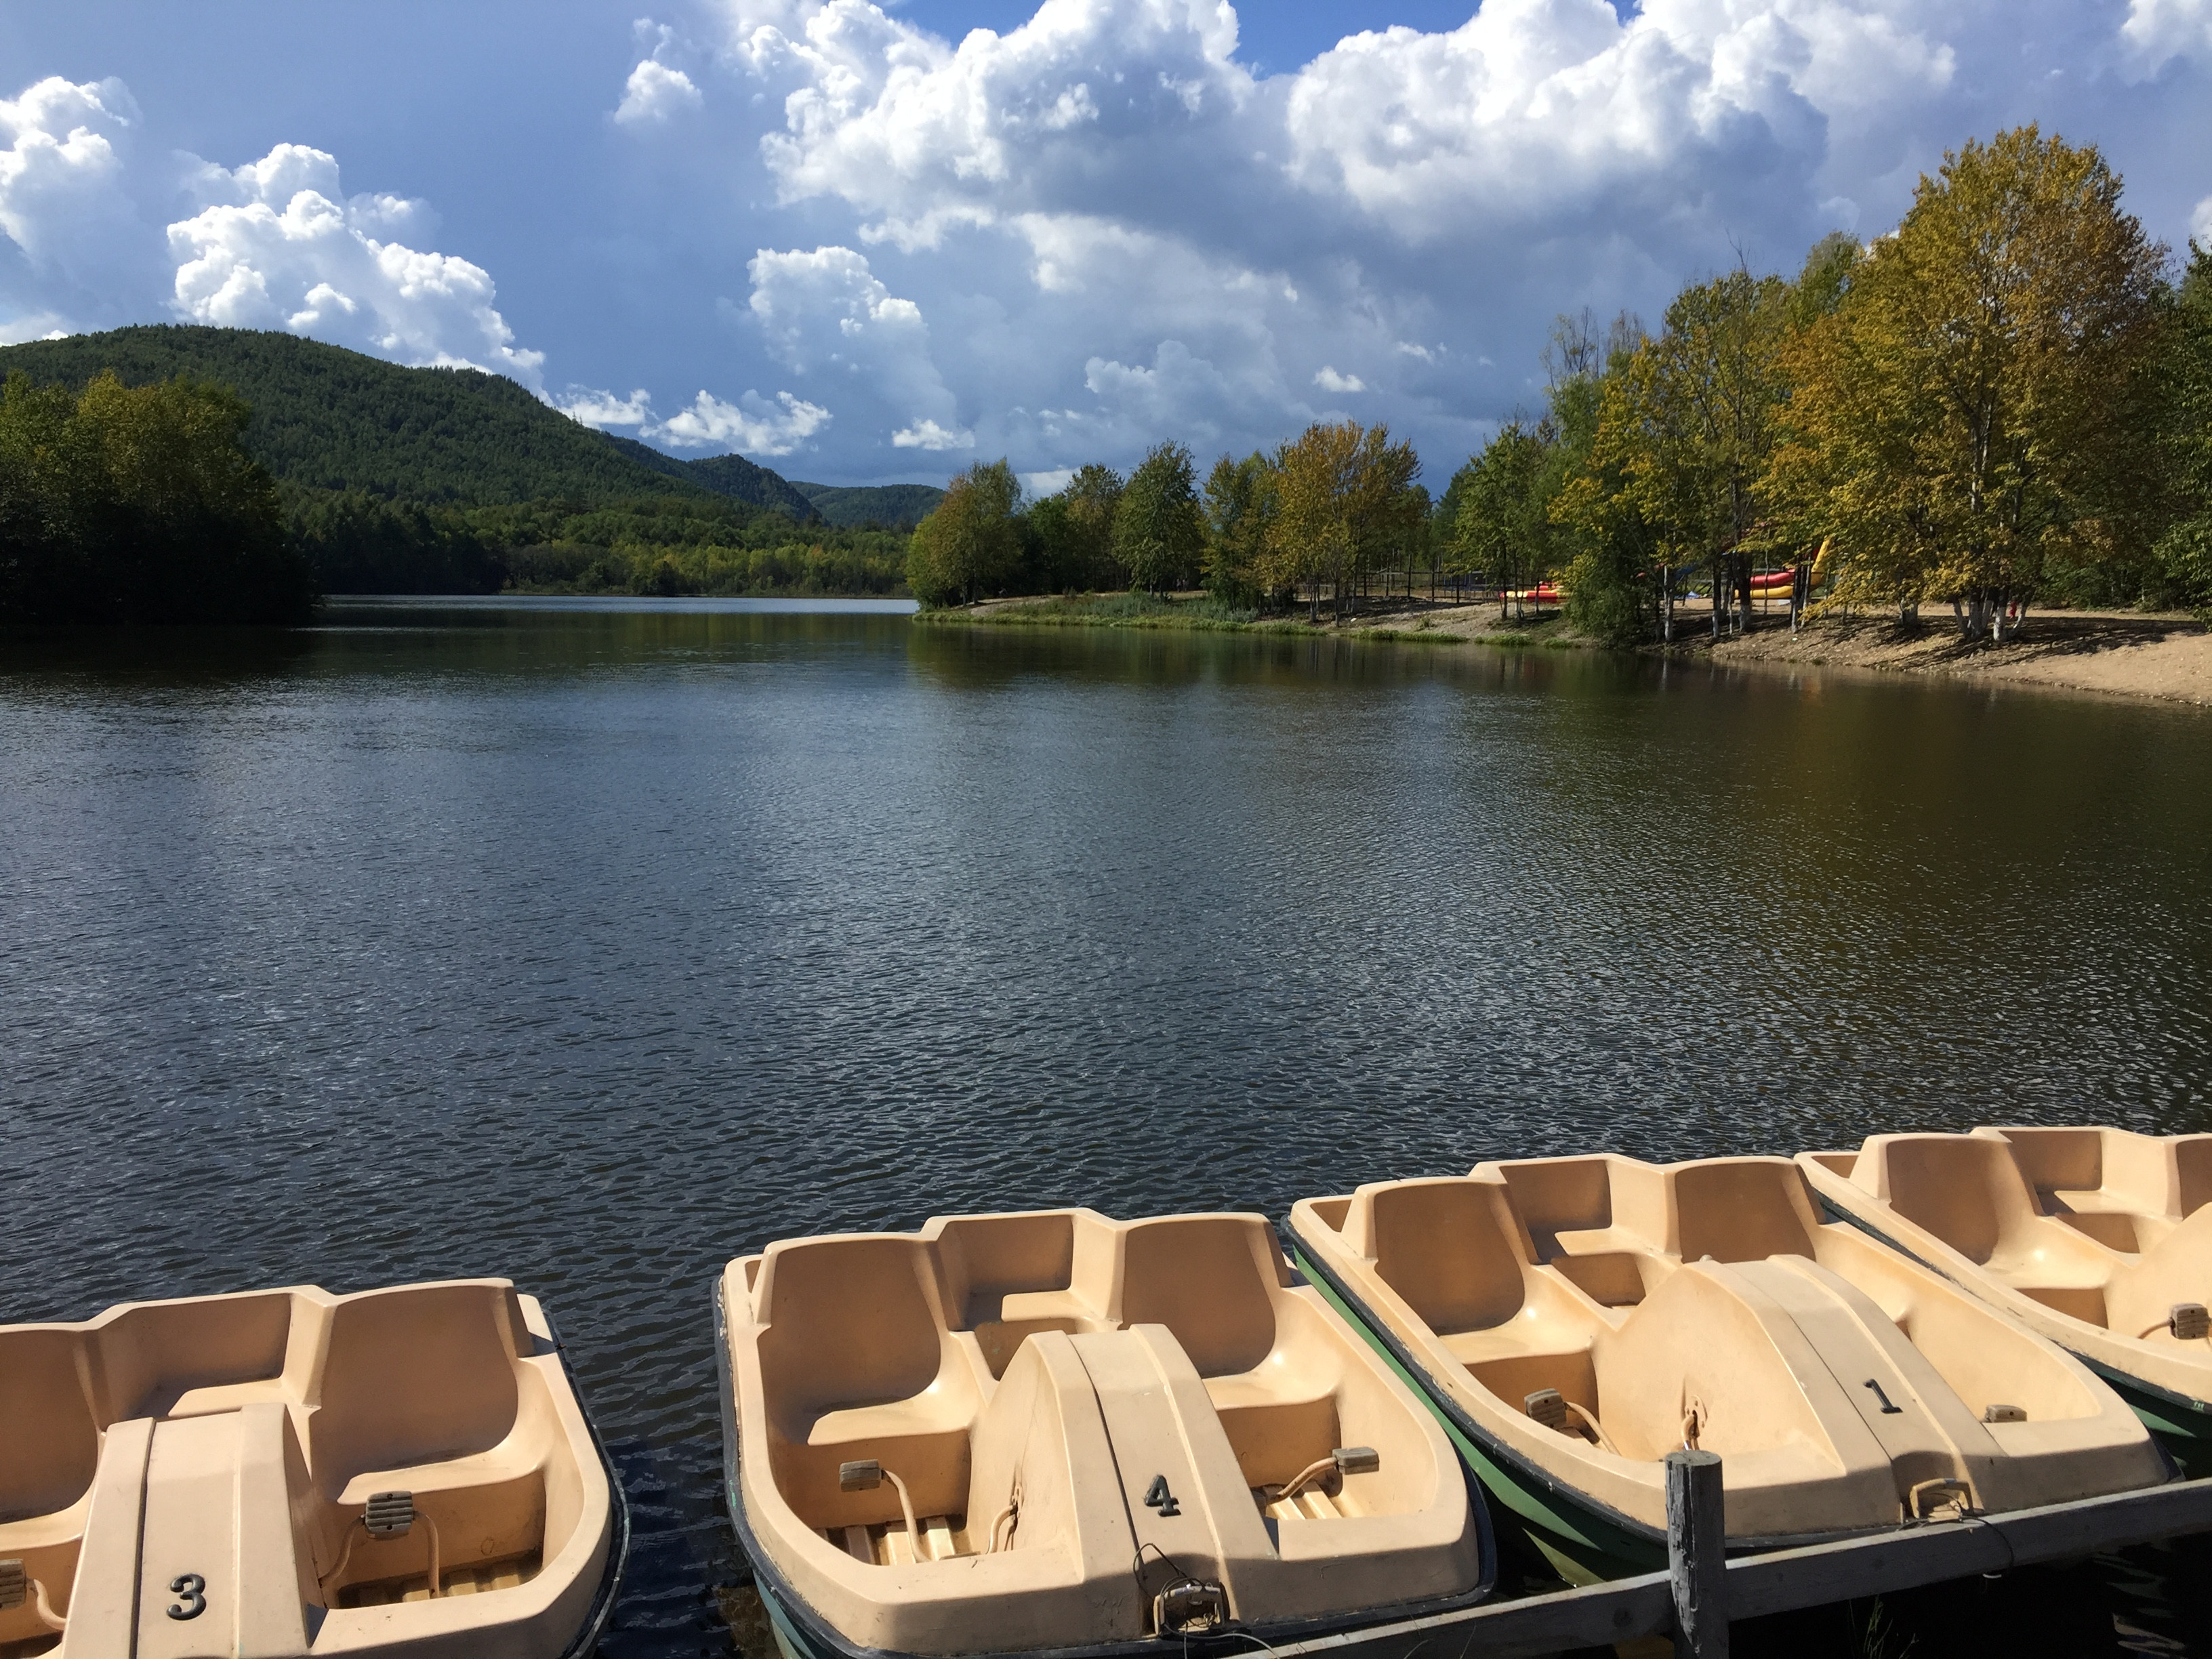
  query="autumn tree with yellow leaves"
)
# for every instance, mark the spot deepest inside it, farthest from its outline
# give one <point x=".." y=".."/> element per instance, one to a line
<point x="1979" y="404"/>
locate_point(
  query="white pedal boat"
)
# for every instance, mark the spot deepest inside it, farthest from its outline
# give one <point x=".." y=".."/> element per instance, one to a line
<point x="288" y="1475"/>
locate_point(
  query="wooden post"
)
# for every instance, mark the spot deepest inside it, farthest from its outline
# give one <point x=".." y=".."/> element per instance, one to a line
<point x="1697" y="1559"/>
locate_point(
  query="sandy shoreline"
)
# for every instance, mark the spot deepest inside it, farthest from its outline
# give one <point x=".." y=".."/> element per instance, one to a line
<point x="2167" y="656"/>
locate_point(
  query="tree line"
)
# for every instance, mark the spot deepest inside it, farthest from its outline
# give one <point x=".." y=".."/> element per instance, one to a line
<point x="123" y="504"/>
<point x="2005" y="401"/>
<point x="134" y="504"/>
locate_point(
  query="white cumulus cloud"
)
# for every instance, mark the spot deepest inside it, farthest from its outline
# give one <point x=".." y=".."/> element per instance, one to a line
<point x="83" y="248"/>
<point x="92" y="214"/>
<point x="280" y="246"/>
<point x="655" y="92"/>
<point x="1137" y="233"/>
<point x="603" y="410"/>
<point x="927" y="434"/>
<point x="826" y="315"/>
<point x="2158" y="30"/>
<point x="753" y="424"/>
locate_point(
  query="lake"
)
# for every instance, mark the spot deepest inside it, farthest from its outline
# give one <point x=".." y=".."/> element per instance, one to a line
<point x="595" y="942"/>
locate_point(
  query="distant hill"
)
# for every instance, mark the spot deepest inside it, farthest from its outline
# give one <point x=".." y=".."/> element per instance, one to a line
<point x="328" y="419"/>
<point x="741" y="479"/>
<point x="883" y="504"/>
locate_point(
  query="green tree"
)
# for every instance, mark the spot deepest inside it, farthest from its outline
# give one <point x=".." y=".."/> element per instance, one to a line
<point x="1613" y="577"/>
<point x="1241" y="504"/>
<point x="2184" y="551"/>
<point x="971" y="544"/>
<point x="139" y="504"/>
<point x="1696" y="422"/>
<point x="1977" y="406"/>
<point x="1346" y="500"/>
<point x="1502" y="530"/>
<point x="1158" y="531"/>
<point x="1073" y="533"/>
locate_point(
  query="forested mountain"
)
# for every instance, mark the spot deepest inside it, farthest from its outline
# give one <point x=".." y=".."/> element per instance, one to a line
<point x="893" y="506"/>
<point x="432" y="480"/>
<point x="328" y="419"/>
<point x="744" y="481"/>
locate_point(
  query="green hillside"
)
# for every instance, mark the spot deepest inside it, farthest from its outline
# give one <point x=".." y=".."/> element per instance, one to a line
<point x="745" y="481"/>
<point x="399" y="480"/>
<point x="890" y="505"/>
<point x="328" y="419"/>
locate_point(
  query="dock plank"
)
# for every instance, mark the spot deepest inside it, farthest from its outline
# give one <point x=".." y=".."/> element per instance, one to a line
<point x="1784" y="1581"/>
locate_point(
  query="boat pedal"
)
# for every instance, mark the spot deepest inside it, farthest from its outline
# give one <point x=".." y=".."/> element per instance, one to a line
<point x="15" y="1585"/>
<point x="1994" y="1412"/>
<point x="1191" y="1606"/>
<point x="1549" y="1407"/>
<point x="2189" y="1321"/>
<point x="389" y="1514"/>
<point x="863" y="1475"/>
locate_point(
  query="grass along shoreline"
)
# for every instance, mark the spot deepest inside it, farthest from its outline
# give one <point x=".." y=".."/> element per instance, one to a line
<point x="1204" y="614"/>
<point x="2159" y="657"/>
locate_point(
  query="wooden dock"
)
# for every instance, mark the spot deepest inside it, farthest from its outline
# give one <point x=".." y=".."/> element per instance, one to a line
<point x="1782" y="1581"/>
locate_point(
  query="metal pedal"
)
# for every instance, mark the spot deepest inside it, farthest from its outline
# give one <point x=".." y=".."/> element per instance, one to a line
<point x="389" y="1514"/>
<point x="2189" y="1321"/>
<point x="15" y="1585"/>
<point x="1994" y="1412"/>
<point x="1549" y="1407"/>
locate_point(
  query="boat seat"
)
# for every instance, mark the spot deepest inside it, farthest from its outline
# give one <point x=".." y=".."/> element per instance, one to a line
<point x="1019" y="1306"/>
<point x="931" y="1412"/>
<point x="1601" y="1240"/>
<point x="225" y="1397"/>
<point x="478" y="1469"/>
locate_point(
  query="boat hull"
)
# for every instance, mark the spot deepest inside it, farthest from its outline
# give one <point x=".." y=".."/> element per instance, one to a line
<point x="2181" y="1425"/>
<point x="801" y="1633"/>
<point x="1580" y="1539"/>
<point x="1582" y="1542"/>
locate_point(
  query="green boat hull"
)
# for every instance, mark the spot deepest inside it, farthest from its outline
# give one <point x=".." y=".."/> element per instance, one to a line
<point x="1579" y="1543"/>
<point x="2183" y="1427"/>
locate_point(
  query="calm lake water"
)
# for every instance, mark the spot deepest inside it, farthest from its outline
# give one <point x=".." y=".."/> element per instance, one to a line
<point x="594" y="944"/>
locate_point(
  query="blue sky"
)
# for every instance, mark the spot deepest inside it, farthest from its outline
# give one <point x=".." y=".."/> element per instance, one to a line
<point x="860" y="244"/>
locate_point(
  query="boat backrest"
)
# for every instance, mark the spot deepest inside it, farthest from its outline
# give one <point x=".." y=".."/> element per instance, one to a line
<point x="151" y="1354"/>
<point x="2166" y="1176"/>
<point x="2192" y="1161"/>
<point x="51" y="1443"/>
<point x="419" y="1374"/>
<point x="1742" y="1209"/>
<point x="1211" y="1280"/>
<point x="1555" y="1195"/>
<point x="981" y="1261"/>
<point x="2055" y="1160"/>
<point x="851" y="1320"/>
<point x="1965" y="1189"/>
<point x="1446" y="1245"/>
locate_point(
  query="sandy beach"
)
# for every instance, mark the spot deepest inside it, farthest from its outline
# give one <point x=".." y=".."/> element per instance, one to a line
<point x="2167" y="656"/>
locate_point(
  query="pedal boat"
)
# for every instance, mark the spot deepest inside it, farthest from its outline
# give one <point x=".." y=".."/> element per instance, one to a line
<point x="2097" y="1238"/>
<point x="1575" y="1319"/>
<point x="1054" y="1432"/>
<point x="289" y="1472"/>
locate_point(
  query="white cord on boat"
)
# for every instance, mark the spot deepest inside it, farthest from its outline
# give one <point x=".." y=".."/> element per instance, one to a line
<point x="45" y="1609"/>
<point x="1596" y="1427"/>
<point x="353" y="1537"/>
<point x="1306" y="1476"/>
<point x="906" y="1508"/>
